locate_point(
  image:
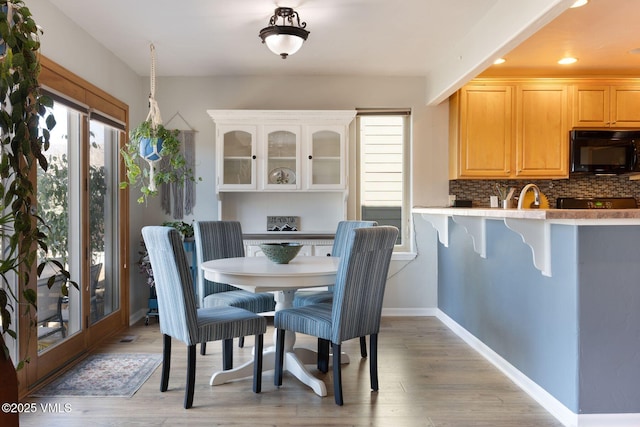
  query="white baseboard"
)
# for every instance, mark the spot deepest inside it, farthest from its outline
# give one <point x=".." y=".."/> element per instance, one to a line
<point x="540" y="395"/>
<point x="135" y="317"/>
<point x="409" y="312"/>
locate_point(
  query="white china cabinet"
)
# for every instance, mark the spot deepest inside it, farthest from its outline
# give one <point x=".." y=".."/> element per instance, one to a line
<point x="282" y="162"/>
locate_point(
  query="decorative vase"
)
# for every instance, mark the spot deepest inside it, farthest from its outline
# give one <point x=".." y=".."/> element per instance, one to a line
<point x="150" y="149"/>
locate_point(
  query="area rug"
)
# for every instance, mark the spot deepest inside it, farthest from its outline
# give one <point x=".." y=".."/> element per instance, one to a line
<point x="114" y="375"/>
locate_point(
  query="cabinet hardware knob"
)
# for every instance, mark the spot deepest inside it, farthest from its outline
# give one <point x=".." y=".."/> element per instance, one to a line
<point x="253" y="157"/>
<point x="310" y="157"/>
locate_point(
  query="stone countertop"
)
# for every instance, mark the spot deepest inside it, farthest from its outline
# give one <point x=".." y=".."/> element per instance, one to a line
<point x="568" y="216"/>
<point x="533" y="225"/>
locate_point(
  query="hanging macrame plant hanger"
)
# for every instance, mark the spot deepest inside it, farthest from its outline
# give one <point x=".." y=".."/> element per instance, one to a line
<point x="150" y="150"/>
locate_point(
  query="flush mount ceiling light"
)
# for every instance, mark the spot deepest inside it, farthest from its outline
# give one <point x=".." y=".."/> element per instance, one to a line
<point x="499" y="61"/>
<point x="284" y="40"/>
<point x="579" y="3"/>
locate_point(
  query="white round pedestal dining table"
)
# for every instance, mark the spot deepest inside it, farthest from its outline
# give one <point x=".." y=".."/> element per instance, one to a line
<point x="259" y="274"/>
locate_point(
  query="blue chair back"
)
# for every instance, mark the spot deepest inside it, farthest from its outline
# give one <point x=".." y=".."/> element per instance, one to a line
<point x="173" y="282"/>
<point x="343" y="230"/>
<point x="215" y="240"/>
<point x="361" y="281"/>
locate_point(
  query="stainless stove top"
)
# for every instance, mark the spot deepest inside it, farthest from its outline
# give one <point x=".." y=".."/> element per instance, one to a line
<point x="596" y="203"/>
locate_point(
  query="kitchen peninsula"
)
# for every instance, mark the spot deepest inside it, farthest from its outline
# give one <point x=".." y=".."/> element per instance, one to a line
<point x="551" y="296"/>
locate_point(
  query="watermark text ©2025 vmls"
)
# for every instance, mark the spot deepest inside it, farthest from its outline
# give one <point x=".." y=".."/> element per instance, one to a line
<point x="25" y="408"/>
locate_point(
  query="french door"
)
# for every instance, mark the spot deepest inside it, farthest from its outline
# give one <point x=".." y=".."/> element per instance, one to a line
<point x="79" y="200"/>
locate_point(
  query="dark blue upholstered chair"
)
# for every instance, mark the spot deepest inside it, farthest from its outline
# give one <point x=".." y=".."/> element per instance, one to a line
<point x="303" y="298"/>
<point x="356" y="307"/>
<point x="181" y="319"/>
<point x="223" y="239"/>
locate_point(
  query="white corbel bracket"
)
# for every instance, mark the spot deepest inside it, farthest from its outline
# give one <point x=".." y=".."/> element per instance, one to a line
<point x="536" y="234"/>
<point x="441" y="224"/>
<point x="476" y="228"/>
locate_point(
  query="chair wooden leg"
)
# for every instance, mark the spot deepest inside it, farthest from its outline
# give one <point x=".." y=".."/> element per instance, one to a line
<point x="241" y="342"/>
<point x="166" y="362"/>
<point x="373" y="361"/>
<point x="227" y="354"/>
<point x="363" y="347"/>
<point x="203" y="348"/>
<point x="277" y="378"/>
<point x="191" y="376"/>
<point x="257" y="364"/>
<point x="323" y="355"/>
<point x="337" y="374"/>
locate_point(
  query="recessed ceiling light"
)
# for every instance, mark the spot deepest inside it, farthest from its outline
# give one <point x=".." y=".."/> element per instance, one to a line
<point x="499" y="61"/>
<point x="579" y="3"/>
<point x="568" y="60"/>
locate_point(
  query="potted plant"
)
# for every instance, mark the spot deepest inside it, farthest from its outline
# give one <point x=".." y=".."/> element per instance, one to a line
<point x="160" y="148"/>
<point x="25" y="124"/>
<point x="186" y="230"/>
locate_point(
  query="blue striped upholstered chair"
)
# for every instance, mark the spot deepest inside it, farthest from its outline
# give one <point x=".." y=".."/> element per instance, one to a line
<point x="223" y="239"/>
<point x="181" y="319"/>
<point x="356" y="307"/>
<point x="340" y="240"/>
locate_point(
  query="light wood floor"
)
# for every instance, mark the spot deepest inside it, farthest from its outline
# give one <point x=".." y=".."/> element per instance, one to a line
<point x="428" y="377"/>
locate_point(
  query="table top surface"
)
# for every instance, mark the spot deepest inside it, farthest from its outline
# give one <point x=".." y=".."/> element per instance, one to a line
<point x="258" y="274"/>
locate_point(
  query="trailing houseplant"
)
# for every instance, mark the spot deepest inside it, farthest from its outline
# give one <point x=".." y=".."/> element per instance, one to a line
<point x="151" y="142"/>
<point x="25" y="125"/>
<point x="160" y="148"/>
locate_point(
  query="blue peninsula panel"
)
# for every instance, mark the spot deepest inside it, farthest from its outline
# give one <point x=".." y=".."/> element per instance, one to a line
<point x="577" y="333"/>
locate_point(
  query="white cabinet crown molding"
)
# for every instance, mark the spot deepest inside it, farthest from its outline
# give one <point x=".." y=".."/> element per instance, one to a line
<point x="339" y="117"/>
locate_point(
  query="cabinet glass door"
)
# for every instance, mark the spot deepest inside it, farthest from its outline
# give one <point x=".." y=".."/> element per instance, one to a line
<point x="282" y="158"/>
<point x="238" y="159"/>
<point x="325" y="159"/>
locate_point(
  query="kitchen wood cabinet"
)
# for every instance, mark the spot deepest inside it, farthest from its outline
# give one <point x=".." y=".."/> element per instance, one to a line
<point x="606" y="105"/>
<point x="542" y="128"/>
<point x="481" y="132"/>
<point x="509" y="130"/>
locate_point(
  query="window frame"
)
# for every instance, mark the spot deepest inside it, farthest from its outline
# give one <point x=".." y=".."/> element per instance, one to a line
<point x="407" y="245"/>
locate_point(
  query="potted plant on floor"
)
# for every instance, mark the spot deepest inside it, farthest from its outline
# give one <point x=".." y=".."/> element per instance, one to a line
<point x="25" y="124"/>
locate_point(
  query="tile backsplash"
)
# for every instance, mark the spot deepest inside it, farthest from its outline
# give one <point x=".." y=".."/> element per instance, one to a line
<point x="584" y="186"/>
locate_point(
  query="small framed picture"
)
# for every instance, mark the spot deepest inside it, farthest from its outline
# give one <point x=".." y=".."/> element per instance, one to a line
<point x="283" y="223"/>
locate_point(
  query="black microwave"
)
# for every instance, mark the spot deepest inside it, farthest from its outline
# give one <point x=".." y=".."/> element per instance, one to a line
<point x="604" y="151"/>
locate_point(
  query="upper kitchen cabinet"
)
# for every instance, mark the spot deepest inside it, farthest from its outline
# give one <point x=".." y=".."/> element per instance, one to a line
<point x="509" y="129"/>
<point x="542" y="128"/>
<point x="481" y="132"/>
<point x="606" y="104"/>
<point x="275" y="150"/>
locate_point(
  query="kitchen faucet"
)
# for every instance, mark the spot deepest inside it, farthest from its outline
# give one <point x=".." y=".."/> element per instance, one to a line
<point x="536" y="196"/>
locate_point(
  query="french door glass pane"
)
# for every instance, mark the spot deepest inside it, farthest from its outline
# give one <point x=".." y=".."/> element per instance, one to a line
<point x="59" y="313"/>
<point x="104" y="291"/>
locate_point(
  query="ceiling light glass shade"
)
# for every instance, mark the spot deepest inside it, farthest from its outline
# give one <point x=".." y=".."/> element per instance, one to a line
<point x="282" y="43"/>
<point x="284" y="40"/>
